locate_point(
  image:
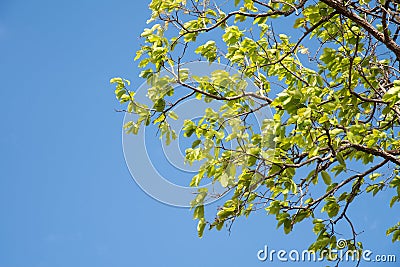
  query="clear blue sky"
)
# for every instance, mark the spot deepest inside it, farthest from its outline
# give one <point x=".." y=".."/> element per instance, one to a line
<point x="66" y="196"/>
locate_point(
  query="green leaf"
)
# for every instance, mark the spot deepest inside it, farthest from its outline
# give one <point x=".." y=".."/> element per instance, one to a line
<point x="196" y="143"/>
<point x="200" y="227"/>
<point x="173" y="115"/>
<point x="326" y="177"/>
<point x="116" y="80"/>
<point x="198" y="212"/>
<point x="393" y="94"/>
<point x="394" y="200"/>
<point x="232" y="35"/>
<point x="159" y="105"/>
<point x="340" y="159"/>
<point x="333" y="209"/>
<point x="224" y="179"/>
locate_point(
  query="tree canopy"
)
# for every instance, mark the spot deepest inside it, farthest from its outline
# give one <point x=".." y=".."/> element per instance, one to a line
<point x="328" y="70"/>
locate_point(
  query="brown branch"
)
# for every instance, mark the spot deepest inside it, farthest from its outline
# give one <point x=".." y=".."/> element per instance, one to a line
<point x="345" y="11"/>
<point x="376" y="152"/>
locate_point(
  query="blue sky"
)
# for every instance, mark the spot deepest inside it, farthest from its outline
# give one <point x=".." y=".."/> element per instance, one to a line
<point x="66" y="195"/>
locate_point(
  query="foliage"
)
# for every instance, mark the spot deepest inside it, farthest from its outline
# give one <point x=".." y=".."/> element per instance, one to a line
<point x="332" y="81"/>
